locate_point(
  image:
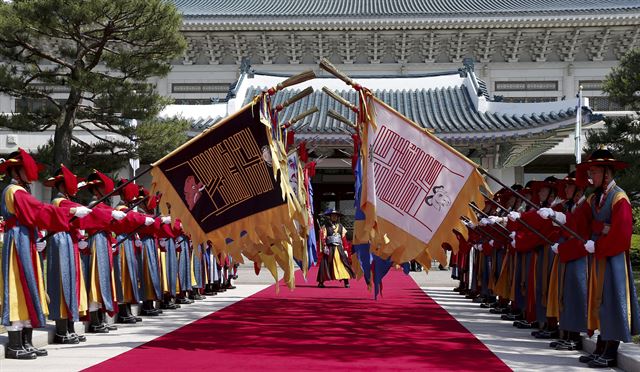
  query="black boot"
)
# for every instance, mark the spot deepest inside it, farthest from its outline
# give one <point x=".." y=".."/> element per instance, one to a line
<point x="195" y="295"/>
<point x="228" y="284"/>
<point x="208" y="290"/>
<point x="15" y="349"/>
<point x="62" y="335"/>
<point x="218" y="287"/>
<point x="123" y="315"/>
<point x="600" y="345"/>
<point x="183" y="298"/>
<point x="72" y="331"/>
<point x="27" y="342"/>
<point x="96" y="325"/>
<point x="148" y="309"/>
<point x="346" y="283"/>
<point x="103" y="319"/>
<point x="609" y="358"/>
<point x="130" y="313"/>
<point x="168" y="303"/>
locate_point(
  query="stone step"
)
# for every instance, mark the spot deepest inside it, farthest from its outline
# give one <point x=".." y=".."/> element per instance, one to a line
<point x="44" y="336"/>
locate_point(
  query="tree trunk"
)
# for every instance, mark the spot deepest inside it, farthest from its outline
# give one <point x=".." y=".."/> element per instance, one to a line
<point x="64" y="131"/>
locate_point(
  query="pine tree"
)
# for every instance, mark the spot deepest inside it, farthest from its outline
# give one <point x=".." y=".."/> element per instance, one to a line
<point x="102" y="52"/>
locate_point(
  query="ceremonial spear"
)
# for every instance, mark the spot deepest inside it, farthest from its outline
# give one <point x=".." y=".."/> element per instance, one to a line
<point x="531" y="228"/>
<point x="531" y="204"/>
<point x="103" y="198"/>
<point x="293" y="80"/>
<point x="504" y="234"/>
<point x="475" y="229"/>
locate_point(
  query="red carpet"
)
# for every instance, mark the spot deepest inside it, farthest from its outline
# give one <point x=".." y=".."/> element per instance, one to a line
<point x="319" y="329"/>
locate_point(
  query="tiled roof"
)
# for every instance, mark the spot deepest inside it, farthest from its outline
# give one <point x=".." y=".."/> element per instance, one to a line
<point x="201" y="124"/>
<point x="448" y="111"/>
<point x="397" y="8"/>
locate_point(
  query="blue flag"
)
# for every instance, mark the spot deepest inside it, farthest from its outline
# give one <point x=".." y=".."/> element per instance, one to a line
<point x="360" y="240"/>
<point x="312" y="240"/>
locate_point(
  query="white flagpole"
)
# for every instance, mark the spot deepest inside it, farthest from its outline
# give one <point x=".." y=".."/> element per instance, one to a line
<point x="578" y="133"/>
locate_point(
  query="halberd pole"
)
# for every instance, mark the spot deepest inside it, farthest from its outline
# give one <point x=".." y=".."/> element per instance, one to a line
<point x="504" y="234"/>
<point x="530" y="203"/>
<point x="531" y="228"/>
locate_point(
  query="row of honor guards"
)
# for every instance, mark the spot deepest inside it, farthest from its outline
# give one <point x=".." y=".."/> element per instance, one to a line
<point x="99" y="260"/>
<point x="520" y="263"/>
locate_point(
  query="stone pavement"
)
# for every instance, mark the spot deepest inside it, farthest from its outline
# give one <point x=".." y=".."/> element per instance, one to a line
<point x="515" y="347"/>
<point x="100" y="347"/>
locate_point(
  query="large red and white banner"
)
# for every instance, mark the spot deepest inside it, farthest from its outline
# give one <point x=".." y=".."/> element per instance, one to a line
<point x="412" y="182"/>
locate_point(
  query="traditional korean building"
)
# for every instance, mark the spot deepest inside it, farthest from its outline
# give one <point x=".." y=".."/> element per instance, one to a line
<point x="496" y="79"/>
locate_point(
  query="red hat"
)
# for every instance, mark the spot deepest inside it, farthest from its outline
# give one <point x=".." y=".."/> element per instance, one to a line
<point x="129" y="192"/>
<point x="22" y="159"/>
<point x="98" y="178"/>
<point x="503" y="195"/>
<point x="550" y="182"/>
<point x="64" y="174"/>
<point x="603" y="158"/>
<point x="152" y="201"/>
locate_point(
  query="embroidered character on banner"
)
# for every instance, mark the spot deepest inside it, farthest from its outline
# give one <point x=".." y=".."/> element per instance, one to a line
<point x="266" y="155"/>
<point x="439" y="199"/>
<point x="192" y="191"/>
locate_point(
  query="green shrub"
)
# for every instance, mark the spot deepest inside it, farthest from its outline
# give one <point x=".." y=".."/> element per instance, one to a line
<point x="635" y="252"/>
<point x="636" y="220"/>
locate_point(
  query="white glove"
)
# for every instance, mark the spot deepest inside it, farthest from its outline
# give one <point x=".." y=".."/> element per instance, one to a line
<point x="82" y="244"/>
<point x="469" y="224"/>
<point x="479" y="247"/>
<point x="138" y="243"/>
<point x="512" y="235"/>
<point x="163" y="242"/>
<point x="485" y="221"/>
<point x="496" y="219"/>
<point x="113" y="249"/>
<point x="514" y="216"/>
<point x="166" y="220"/>
<point x="513" y="242"/>
<point x="554" y="248"/>
<point x="546" y="213"/>
<point x="590" y="246"/>
<point x="148" y="221"/>
<point x="40" y="246"/>
<point x="561" y="218"/>
<point x="491" y="242"/>
<point x="118" y="215"/>
<point x="82" y="211"/>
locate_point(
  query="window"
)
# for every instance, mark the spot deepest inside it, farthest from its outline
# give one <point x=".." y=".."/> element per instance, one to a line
<point x="591" y="84"/>
<point x="603" y="104"/>
<point x="529" y="99"/>
<point x="36" y="104"/>
<point x="199" y="88"/>
<point x="526" y="86"/>
<point x="192" y="101"/>
<point x="51" y="88"/>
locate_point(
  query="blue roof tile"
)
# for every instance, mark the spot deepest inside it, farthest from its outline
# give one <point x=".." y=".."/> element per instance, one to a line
<point x="394" y="8"/>
<point x="444" y="110"/>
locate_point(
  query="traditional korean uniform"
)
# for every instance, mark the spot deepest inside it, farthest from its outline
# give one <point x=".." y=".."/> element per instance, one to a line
<point x="65" y="279"/>
<point x="613" y="302"/>
<point x="23" y="296"/>
<point x="334" y="264"/>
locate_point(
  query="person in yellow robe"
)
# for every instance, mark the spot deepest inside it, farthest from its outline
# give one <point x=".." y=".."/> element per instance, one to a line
<point x="334" y="262"/>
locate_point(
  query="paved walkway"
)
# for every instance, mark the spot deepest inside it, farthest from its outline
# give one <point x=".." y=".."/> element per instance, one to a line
<point x="101" y="347"/>
<point x="515" y="347"/>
